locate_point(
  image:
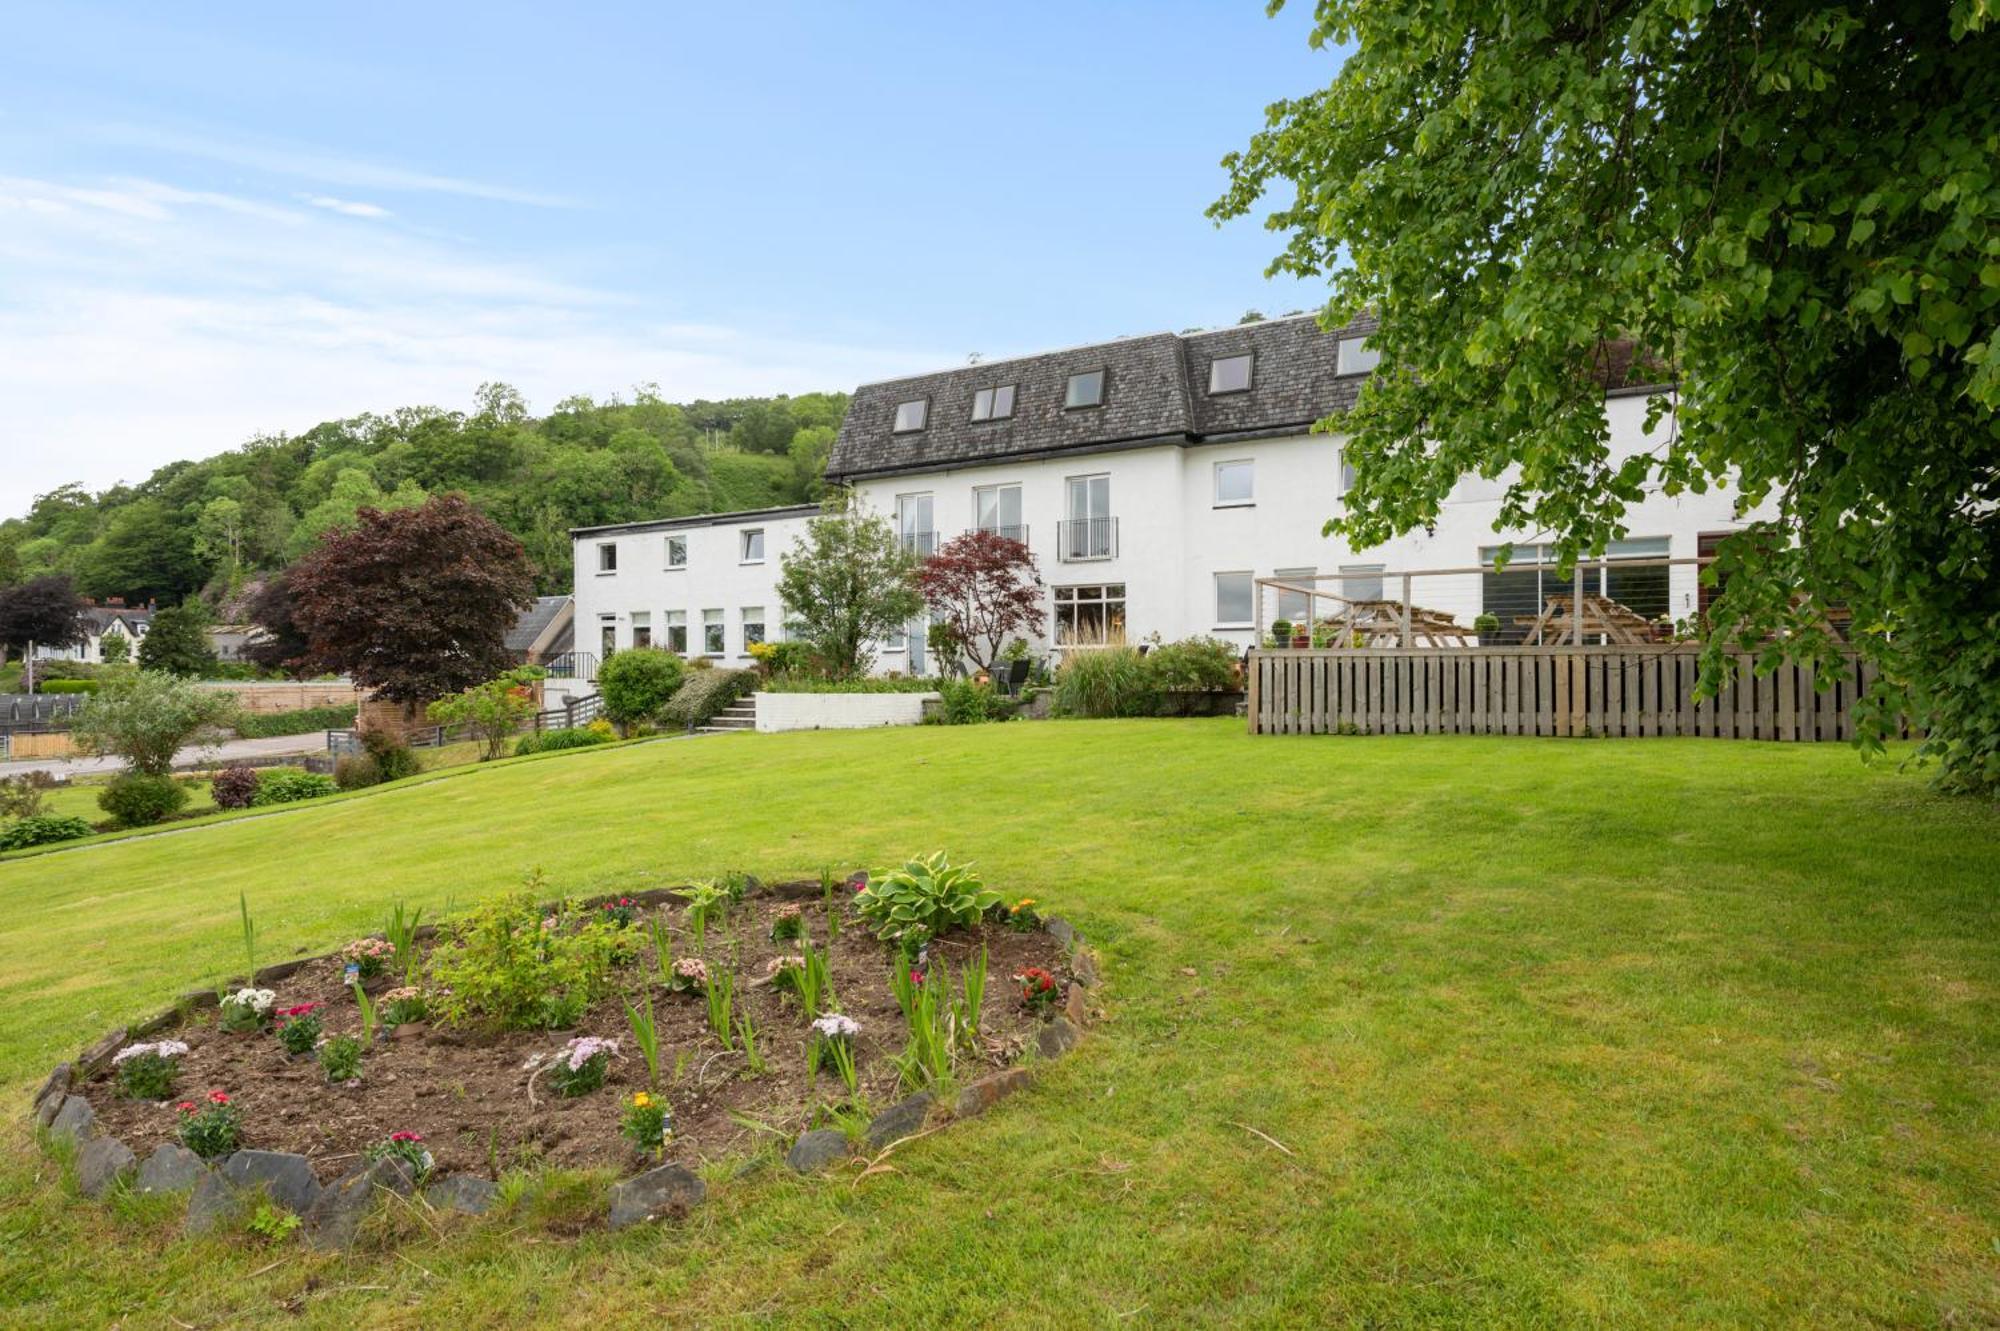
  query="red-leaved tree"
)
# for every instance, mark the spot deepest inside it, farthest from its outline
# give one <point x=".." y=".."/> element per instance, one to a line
<point x="985" y="588"/>
<point x="415" y="603"/>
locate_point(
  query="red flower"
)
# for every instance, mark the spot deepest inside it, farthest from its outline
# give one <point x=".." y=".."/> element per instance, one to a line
<point x="916" y="977"/>
<point x="218" y="1098"/>
<point x="185" y="1106"/>
<point x="406" y="1136"/>
<point x="298" y="1011"/>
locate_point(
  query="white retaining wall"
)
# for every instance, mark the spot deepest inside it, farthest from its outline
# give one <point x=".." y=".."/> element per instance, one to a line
<point x="838" y="711"/>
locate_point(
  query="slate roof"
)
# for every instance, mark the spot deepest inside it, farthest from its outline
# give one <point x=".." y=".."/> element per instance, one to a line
<point x="1156" y="391"/>
<point x="102" y="617"/>
<point x="534" y="622"/>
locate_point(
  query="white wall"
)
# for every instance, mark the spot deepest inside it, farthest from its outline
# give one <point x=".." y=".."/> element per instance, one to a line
<point x="838" y="711"/>
<point x="1172" y="537"/>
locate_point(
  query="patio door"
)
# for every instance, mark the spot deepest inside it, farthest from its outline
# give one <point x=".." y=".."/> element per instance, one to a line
<point x="1088" y="506"/>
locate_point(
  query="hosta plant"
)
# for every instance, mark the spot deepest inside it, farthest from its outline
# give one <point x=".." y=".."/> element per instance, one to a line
<point x="210" y="1130"/>
<point x="924" y="898"/>
<point x="245" y="1010"/>
<point x="147" y="1071"/>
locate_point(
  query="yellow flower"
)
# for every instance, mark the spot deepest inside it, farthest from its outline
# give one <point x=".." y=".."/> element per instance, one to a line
<point x="1023" y="904"/>
<point x="641" y="1100"/>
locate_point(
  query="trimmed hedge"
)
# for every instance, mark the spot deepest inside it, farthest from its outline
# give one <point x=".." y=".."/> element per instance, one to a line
<point x="69" y="686"/>
<point x="303" y="721"/>
<point x="288" y="785"/>
<point x="865" y="684"/>
<point x="573" y="737"/>
<point x="141" y="801"/>
<point x="42" y="831"/>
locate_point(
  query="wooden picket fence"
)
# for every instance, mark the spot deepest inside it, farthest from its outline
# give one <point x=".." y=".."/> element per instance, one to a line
<point x="1611" y="691"/>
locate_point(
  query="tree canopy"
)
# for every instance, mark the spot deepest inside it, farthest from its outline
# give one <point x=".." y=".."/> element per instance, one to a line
<point x="1793" y="208"/>
<point x="846" y="582"/>
<point x="195" y="526"/>
<point x="984" y="588"/>
<point x="414" y="603"/>
<point x="44" y="610"/>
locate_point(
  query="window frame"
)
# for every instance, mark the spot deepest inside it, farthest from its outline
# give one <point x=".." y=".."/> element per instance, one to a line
<point x="744" y="621"/>
<point x="642" y="629"/>
<point x="1249" y="577"/>
<point x="1216" y="483"/>
<point x="1068" y="596"/>
<point x="607" y="558"/>
<point x="1103" y="376"/>
<point x="992" y="397"/>
<point x="743" y="538"/>
<point x="716" y="619"/>
<point x="674" y="624"/>
<point x="1249" y="362"/>
<point x="1362" y="360"/>
<point x="1379" y="572"/>
<point x="923" y="406"/>
<point x="996" y="489"/>
<point x="679" y="542"/>
<point x="1300" y="574"/>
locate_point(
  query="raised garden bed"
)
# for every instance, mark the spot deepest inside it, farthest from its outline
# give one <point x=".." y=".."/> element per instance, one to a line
<point x="481" y="1094"/>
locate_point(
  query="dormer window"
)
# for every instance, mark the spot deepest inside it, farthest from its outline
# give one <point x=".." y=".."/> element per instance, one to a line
<point x="1085" y="390"/>
<point x="1356" y="356"/>
<point x="910" y="415"/>
<point x="1229" y="374"/>
<point x="993" y="404"/>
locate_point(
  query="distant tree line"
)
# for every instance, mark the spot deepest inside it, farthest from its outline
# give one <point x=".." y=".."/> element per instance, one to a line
<point x="209" y="526"/>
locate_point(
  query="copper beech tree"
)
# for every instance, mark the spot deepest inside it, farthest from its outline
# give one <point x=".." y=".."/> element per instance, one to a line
<point x="415" y="603"/>
<point x="985" y="589"/>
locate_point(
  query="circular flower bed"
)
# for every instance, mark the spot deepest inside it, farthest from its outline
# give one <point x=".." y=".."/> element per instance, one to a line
<point x="652" y="1033"/>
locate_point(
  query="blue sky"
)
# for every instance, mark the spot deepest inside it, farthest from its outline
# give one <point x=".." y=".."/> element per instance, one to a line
<point x="229" y="218"/>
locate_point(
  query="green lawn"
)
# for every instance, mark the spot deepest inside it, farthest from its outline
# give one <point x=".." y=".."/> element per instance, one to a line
<point x="1553" y="1033"/>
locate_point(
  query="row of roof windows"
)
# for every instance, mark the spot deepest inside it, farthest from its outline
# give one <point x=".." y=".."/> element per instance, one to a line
<point x="1226" y="374"/>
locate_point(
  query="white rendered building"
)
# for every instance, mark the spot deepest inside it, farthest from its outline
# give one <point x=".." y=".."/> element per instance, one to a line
<point x="1154" y="478"/>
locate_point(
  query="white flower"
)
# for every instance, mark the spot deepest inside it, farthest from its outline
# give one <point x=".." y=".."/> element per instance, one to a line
<point x="581" y="1049"/>
<point x="837" y="1026"/>
<point x="257" y="1000"/>
<point x="161" y="1048"/>
<point x="784" y="963"/>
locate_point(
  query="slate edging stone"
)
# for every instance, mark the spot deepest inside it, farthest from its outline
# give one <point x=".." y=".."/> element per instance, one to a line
<point x="818" y="1149"/>
<point x="101" y="1163"/>
<point x="171" y="1168"/>
<point x="334" y="1217"/>
<point x="667" y="1192"/>
<point x="468" y="1193"/>
<point x="903" y="1119"/>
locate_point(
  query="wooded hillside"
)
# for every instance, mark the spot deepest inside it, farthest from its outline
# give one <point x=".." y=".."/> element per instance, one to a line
<point x="205" y="525"/>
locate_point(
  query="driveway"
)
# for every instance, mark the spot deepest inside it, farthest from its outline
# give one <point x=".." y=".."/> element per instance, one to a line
<point x="313" y="741"/>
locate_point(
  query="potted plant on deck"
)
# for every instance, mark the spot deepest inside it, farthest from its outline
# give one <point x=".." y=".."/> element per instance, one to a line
<point x="1281" y="633"/>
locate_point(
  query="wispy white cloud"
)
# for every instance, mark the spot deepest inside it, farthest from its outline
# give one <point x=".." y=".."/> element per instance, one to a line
<point x="346" y="207"/>
<point x="141" y="322"/>
<point x="308" y="163"/>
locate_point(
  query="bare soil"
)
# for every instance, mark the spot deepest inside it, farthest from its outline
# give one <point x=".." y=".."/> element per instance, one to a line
<point x="468" y="1093"/>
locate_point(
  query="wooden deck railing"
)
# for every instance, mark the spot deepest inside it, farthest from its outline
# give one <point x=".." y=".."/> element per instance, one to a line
<point x="1610" y="691"/>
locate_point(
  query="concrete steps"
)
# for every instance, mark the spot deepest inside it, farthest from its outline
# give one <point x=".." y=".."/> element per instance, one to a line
<point x="739" y="715"/>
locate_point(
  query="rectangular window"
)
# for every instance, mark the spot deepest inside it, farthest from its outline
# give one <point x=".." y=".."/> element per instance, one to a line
<point x="677" y="552"/>
<point x="1090" y="616"/>
<point x="910" y="415"/>
<point x="607" y="636"/>
<point x="1295" y="606"/>
<point x="1229" y="374"/>
<point x="1233" y="599"/>
<point x="752" y="546"/>
<point x="1361" y="582"/>
<point x="676" y="624"/>
<point x="711" y="633"/>
<point x="1089" y="531"/>
<point x="1085" y="390"/>
<point x="1356" y="356"/>
<point x="1523" y="589"/>
<point x="997" y="508"/>
<point x="1235" y="483"/>
<point x="607" y="556"/>
<point x="753" y="625"/>
<point x="914" y="526"/>
<point x="642" y="628"/>
<point x="993" y="404"/>
<point x="1346" y="473"/>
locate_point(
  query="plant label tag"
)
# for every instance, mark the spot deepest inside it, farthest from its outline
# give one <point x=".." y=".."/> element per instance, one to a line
<point x="353" y="973"/>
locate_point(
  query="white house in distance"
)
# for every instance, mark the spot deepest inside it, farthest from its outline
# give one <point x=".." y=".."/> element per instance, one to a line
<point x="1154" y="478"/>
<point x="111" y="620"/>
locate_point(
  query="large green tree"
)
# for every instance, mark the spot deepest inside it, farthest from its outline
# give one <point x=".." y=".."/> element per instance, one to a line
<point x="847" y="582"/>
<point x="1794" y="208"/>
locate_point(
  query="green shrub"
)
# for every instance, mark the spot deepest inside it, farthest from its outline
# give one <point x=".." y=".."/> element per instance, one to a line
<point x="394" y="759"/>
<point x="356" y="771"/>
<point x="140" y="801"/>
<point x="303" y="721"/>
<point x="70" y="686"/>
<point x="42" y="831"/>
<point x="1192" y="666"/>
<point x="968" y="702"/>
<point x="573" y="737"/>
<point x="925" y="897"/>
<point x="288" y="785"/>
<point x="705" y="694"/>
<point x="234" y="787"/>
<point x="637" y="683"/>
<point x="782" y="658"/>
<point x="860" y="684"/>
<point x="503" y="970"/>
<point x="46" y="671"/>
<point x="1106" y="681"/>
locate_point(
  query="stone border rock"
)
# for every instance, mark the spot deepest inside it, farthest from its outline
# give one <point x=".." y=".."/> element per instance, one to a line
<point x="226" y="1193"/>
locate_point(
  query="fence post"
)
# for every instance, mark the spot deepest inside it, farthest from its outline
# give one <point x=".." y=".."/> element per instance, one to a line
<point x="1576" y="607"/>
<point x="1403" y="634"/>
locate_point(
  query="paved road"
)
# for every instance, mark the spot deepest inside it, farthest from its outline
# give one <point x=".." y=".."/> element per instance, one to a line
<point x="311" y="742"/>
